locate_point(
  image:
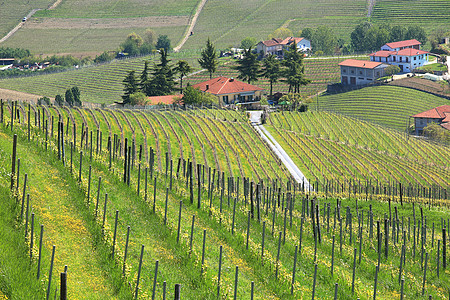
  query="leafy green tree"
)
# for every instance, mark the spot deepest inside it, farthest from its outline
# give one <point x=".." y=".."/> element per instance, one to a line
<point x="163" y="43"/>
<point x="391" y="70"/>
<point x="436" y="132"/>
<point x="193" y="96"/>
<point x="183" y="68"/>
<point x="281" y="33"/>
<point x="132" y="44"/>
<point x="59" y="100"/>
<point x="294" y="71"/>
<point x="376" y="37"/>
<point x="76" y="96"/>
<point x="69" y="97"/>
<point x="209" y="60"/>
<point x="138" y="98"/>
<point x="149" y="36"/>
<point x="308" y="33"/>
<point x="323" y="40"/>
<point x="130" y="86"/>
<point x="44" y="101"/>
<point x="271" y="70"/>
<point x="248" y="42"/>
<point x="104" y="57"/>
<point x="248" y="66"/>
<point x="358" y="36"/>
<point x="398" y="33"/>
<point x="416" y="32"/>
<point x="162" y="81"/>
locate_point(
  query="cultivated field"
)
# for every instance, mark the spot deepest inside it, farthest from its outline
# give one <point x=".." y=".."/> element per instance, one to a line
<point x="389" y="106"/>
<point x="333" y="147"/>
<point x="265" y="240"/>
<point x="430" y="14"/>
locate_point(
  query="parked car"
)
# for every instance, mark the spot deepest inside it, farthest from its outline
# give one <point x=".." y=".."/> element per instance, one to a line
<point x="24" y="19"/>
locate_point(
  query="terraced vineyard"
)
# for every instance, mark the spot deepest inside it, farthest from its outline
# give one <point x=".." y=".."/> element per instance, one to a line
<point x="389" y="106"/>
<point x="328" y="146"/>
<point x="98" y="84"/>
<point x="148" y="226"/>
<point x="430" y="14"/>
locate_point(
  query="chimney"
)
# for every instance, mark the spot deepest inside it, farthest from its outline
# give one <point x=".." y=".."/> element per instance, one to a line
<point x="207" y="87"/>
<point x="231" y="79"/>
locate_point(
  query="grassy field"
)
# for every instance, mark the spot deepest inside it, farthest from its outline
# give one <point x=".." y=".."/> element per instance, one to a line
<point x="334" y="147"/>
<point x="389" y="106"/>
<point x="12" y="12"/>
<point x="278" y="234"/>
<point x="228" y="22"/>
<point x="430" y="14"/>
<point x="81" y="42"/>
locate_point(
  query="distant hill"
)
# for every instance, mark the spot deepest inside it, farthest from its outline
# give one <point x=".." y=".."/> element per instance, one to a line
<point x="389" y="106"/>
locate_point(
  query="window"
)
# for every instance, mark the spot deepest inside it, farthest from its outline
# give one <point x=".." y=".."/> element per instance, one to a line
<point x="225" y="99"/>
<point x="344" y="70"/>
<point x="393" y="58"/>
<point x="378" y="73"/>
<point x="406" y="59"/>
<point x="352" y="71"/>
<point x="360" y="72"/>
<point x="415" y="57"/>
<point x="400" y="59"/>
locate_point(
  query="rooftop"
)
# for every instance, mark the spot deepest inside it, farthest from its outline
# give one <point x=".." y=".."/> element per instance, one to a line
<point x="407" y="43"/>
<point x="440" y="112"/>
<point x="360" y="63"/>
<point x="223" y="85"/>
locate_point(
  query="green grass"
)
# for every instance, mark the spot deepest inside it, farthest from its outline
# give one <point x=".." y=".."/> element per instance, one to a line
<point x="177" y="266"/>
<point x="12" y="12"/>
<point x="228" y="22"/>
<point x="434" y="67"/>
<point x="430" y="14"/>
<point x="84" y="42"/>
<point x="120" y="9"/>
<point x="389" y="106"/>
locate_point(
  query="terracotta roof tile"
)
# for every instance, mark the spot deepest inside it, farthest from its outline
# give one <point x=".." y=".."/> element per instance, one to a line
<point x="291" y="39"/>
<point x="439" y="112"/>
<point x="169" y="99"/>
<point x="272" y="42"/>
<point x="406" y="43"/>
<point x="360" y="63"/>
<point x="411" y="52"/>
<point x="383" y="53"/>
<point x="223" y="85"/>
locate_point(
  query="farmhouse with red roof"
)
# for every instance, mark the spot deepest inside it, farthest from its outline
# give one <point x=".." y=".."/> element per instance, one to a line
<point x="404" y="54"/>
<point x="231" y="91"/>
<point x="277" y="46"/>
<point x="439" y="115"/>
<point x="360" y="72"/>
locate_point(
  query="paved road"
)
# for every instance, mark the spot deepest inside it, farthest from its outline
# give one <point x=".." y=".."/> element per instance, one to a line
<point x="255" y="117"/>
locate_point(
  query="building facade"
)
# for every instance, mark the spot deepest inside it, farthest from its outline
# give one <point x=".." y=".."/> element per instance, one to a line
<point x="439" y="115"/>
<point x="360" y="72"/>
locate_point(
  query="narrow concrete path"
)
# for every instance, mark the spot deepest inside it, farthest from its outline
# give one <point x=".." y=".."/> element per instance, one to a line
<point x="255" y="119"/>
<point x="191" y="26"/>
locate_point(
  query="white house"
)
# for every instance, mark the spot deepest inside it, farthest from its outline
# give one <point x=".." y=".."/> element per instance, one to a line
<point x="397" y="46"/>
<point x="360" y="72"/>
<point x="277" y="46"/>
<point x="407" y="59"/>
<point x="302" y="43"/>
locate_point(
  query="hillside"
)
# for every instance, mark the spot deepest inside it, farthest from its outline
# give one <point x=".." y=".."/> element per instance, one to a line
<point x="389" y="106"/>
<point x="103" y="83"/>
<point x="226" y="237"/>
<point x="329" y="146"/>
<point x="430" y="14"/>
<point x="91" y="27"/>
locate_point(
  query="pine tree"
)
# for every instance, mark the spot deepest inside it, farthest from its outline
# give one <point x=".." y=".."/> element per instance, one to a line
<point x="209" y="60"/>
<point x="295" y="71"/>
<point x="248" y="66"/>
<point x="162" y="81"/>
<point x="271" y="70"/>
<point x="182" y="68"/>
<point x="130" y="86"/>
<point x="69" y="97"/>
<point x="144" y="83"/>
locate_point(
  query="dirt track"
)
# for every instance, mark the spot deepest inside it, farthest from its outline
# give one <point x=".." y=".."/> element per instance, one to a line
<point x="14" y="95"/>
